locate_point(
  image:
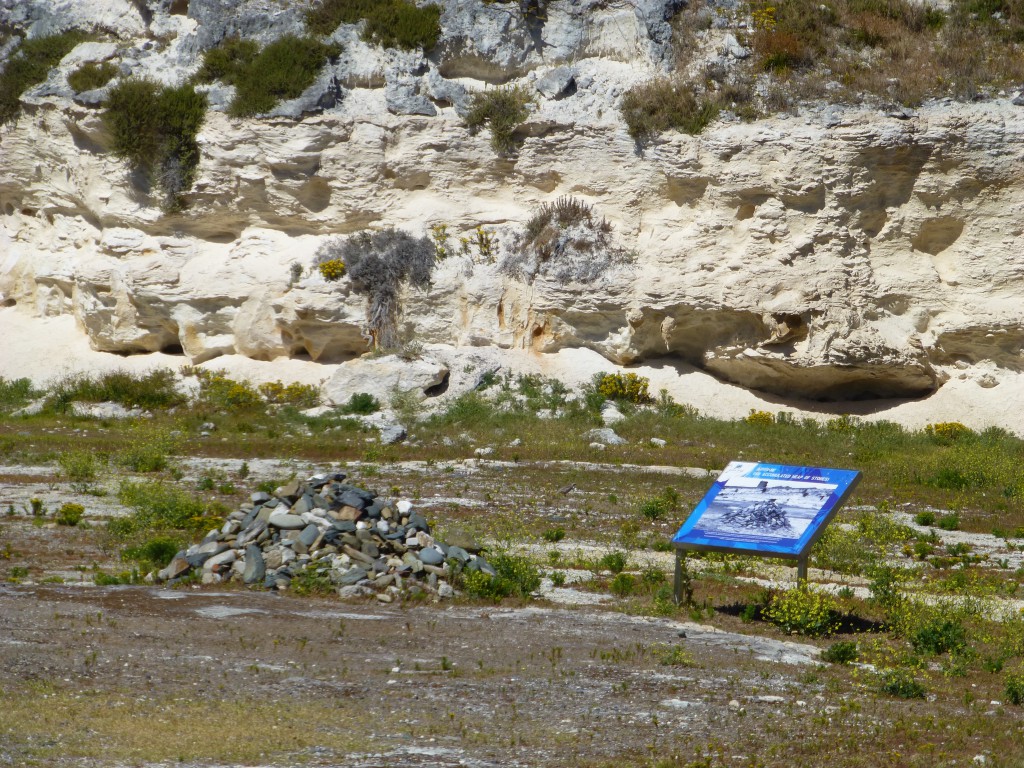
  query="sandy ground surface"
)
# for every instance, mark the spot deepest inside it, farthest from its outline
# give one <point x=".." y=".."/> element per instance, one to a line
<point x="44" y="348"/>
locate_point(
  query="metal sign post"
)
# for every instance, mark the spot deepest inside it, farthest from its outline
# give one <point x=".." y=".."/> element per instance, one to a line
<point x="768" y="510"/>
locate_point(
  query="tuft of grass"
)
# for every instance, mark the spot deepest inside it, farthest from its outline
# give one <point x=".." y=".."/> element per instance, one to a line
<point x="15" y="392"/>
<point x="902" y="684"/>
<point x="389" y="23"/>
<point x="842" y="652"/>
<point x="228" y="60"/>
<point x="91" y="76"/>
<point x="30" y="65"/>
<point x="664" y="104"/>
<point x="154" y="553"/>
<point x="282" y="70"/>
<point x="502" y="110"/>
<point x="1015" y="688"/>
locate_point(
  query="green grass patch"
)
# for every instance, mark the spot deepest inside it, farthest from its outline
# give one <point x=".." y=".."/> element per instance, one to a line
<point x="91" y="76"/>
<point x="157" y="507"/>
<point x="154" y="390"/>
<point x="29" y="65"/>
<point x="389" y="23"/>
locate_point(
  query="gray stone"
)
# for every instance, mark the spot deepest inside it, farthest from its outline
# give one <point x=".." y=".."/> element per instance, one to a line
<point x="255" y="567"/>
<point x="105" y="411"/>
<point x="431" y="556"/>
<point x="179" y="566"/>
<point x="402" y="97"/>
<point x="352" y="591"/>
<point x="309" y="535"/>
<point x="731" y="46"/>
<point x="220" y="562"/>
<point x="556" y="82"/>
<point x="1018" y="100"/>
<point x="286" y="521"/>
<point x="459" y="554"/>
<point x="302" y="506"/>
<point x="448" y="92"/>
<point x="610" y="414"/>
<point x="352" y="575"/>
<point x="445" y="591"/>
<point x="606" y="436"/>
<point x="392" y="433"/>
<point x="657" y="442"/>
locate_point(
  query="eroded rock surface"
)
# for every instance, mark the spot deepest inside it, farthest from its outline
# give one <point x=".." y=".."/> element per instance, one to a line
<point x="842" y="254"/>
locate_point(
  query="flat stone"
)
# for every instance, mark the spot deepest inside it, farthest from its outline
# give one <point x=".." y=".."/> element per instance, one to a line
<point x="286" y="521"/>
<point x="392" y="433"/>
<point x="352" y="576"/>
<point x="459" y="554"/>
<point x="179" y="566"/>
<point x="445" y="591"/>
<point x="431" y="556"/>
<point x="309" y="535"/>
<point x="220" y="562"/>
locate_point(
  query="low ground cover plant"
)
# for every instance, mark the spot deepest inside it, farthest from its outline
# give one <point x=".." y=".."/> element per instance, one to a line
<point x="29" y="65"/>
<point x="802" y="611"/>
<point x="92" y="75"/>
<point x="154" y="390"/>
<point x="517" y="576"/>
<point x="156" y="507"/>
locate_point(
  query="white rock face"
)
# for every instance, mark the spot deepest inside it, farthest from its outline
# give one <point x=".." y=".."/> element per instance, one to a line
<point x="842" y="254"/>
<point x="383" y="377"/>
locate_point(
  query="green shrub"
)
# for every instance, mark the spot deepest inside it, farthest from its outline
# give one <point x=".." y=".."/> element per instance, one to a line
<point x="70" y="514"/>
<point x="91" y="76"/>
<point x="156" y="506"/>
<point x="802" y="612"/>
<point x="615" y="562"/>
<point x="950" y="522"/>
<point x="502" y="110"/>
<point x="1015" y="688"/>
<point x="310" y="582"/>
<point x="282" y="70"/>
<point x="79" y="467"/>
<point x="656" y="106"/>
<point x="939" y="634"/>
<point x="389" y="23"/>
<point x="154" y="128"/>
<point x="553" y="535"/>
<point x="227" y="61"/>
<point x="842" y="652"/>
<point x="627" y="387"/>
<point x="148" y="452"/>
<point x="622" y="585"/>
<point x="361" y="403"/>
<point x="948" y="432"/>
<point x="15" y="392"/>
<point x="29" y="65"/>
<point x="925" y="518"/>
<point x="152" y="554"/>
<point x="902" y="684"/>
<point x="516" y="576"/>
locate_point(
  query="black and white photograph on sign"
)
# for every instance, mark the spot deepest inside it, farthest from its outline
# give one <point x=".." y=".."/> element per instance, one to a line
<point x="764" y="509"/>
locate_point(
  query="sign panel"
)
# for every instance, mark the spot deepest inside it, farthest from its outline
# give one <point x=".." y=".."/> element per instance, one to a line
<point x="769" y="509"/>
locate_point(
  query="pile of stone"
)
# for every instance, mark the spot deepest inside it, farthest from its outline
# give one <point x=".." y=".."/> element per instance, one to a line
<point x="364" y="545"/>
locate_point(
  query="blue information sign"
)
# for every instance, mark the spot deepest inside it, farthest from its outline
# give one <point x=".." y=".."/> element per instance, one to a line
<point x="768" y="509"/>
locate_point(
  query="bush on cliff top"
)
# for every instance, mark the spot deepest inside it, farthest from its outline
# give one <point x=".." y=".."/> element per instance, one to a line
<point x="262" y="78"/>
<point x="389" y="23"/>
<point x="154" y="128"/>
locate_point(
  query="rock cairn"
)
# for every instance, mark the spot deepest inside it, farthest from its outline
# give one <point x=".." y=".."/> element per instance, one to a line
<point x="364" y="545"/>
<point x="765" y="516"/>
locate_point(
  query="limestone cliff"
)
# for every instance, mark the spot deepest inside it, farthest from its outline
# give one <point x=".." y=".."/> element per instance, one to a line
<point x="842" y="253"/>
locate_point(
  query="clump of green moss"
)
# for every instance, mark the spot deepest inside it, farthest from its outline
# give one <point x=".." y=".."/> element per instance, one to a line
<point x="29" y="65"/>
<point x="91" y="76"/>
<point x="154" y="128"/>
<point x="282" y="70"/>
<point x="389" y="23"/>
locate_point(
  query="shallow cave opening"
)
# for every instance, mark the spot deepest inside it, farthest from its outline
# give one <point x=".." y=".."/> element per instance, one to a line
<point x="439" y="388"/>
<point x="172" y="349"/>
